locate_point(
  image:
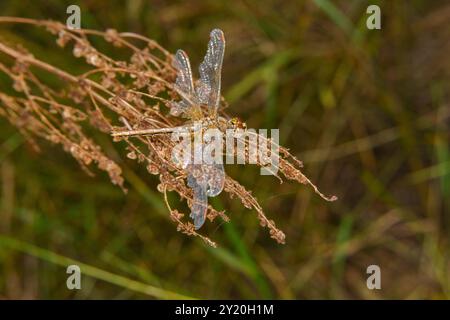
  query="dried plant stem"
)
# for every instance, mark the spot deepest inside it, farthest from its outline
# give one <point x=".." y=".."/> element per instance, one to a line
<point x="132" y="100"/>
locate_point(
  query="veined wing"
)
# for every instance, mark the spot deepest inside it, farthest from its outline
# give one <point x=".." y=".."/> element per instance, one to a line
<point x="215" y="175"/>
<point x="184" y="84"/>
<point x="200" y="198"/>
<point x="205" y="180"/>
<point x="208" y="90"/>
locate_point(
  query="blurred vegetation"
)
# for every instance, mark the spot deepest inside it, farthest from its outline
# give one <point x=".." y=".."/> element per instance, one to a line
<point x="366" y="110"/>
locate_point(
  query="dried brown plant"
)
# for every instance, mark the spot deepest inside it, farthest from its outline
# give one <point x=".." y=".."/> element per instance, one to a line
<point x="135" y="93"/>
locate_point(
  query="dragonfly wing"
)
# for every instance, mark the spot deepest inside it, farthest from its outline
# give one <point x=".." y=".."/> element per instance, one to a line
<point x="178" y="108"/>
<point x="200" y="201"/>
<point x="208" y="90"/>
<point x="184" y="83"/>
<point x="205" y="180"/>
<point x="215" y="179"/>
<point x="184" y="80"/>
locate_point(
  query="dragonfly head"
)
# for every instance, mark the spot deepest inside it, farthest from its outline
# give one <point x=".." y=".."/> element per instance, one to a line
<point x="236" y="123"/>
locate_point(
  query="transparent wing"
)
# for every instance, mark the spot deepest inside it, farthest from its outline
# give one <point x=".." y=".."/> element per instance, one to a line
<point x="184" y="84"/>
<point x="208" y="90"/>
<point x="215" y="179"/>
<point x="205" y="180"/>
<point x="184" y="80"/>
<point x="200" y="201"/>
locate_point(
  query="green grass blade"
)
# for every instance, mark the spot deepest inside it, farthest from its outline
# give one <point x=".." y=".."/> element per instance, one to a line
<point x="89" y="270"/>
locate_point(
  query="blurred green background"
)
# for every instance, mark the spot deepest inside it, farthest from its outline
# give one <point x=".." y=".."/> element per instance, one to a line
<point x="366" y="110"/>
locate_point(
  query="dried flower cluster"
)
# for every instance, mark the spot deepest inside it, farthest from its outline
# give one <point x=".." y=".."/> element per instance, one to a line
<point x="115" y="95"/>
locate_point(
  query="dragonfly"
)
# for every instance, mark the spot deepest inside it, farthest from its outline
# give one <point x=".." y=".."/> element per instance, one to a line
<point x="200" y="104"/>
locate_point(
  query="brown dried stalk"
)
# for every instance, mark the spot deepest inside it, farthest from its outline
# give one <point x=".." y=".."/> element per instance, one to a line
<point x="132" y="94"/>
